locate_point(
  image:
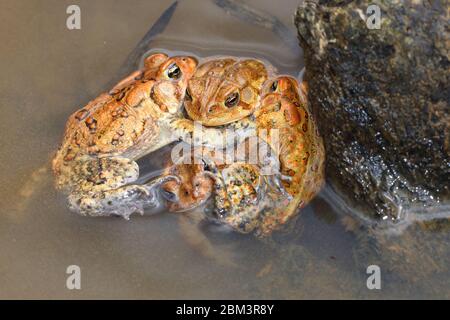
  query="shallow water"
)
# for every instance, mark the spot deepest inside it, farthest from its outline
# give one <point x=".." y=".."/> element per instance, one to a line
<point x="49" y="71"/>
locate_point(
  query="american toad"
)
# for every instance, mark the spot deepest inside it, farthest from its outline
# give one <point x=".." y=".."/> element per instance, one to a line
<point x="96" y="164"/>
<point x="244" y="198"/>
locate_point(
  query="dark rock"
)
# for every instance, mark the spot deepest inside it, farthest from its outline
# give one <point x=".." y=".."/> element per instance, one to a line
<point x="382" y="100"/>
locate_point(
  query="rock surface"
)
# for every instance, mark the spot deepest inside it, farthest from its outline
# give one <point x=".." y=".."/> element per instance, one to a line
<point x="382" y="100"/>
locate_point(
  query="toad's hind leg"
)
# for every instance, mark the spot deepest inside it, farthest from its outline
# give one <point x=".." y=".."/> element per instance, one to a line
<point x="101" y="188"/>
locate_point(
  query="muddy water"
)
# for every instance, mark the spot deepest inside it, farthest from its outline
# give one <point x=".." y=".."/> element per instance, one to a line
<point x="49" y="71"/>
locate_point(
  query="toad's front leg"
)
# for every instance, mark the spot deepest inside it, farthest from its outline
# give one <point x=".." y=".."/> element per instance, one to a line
<point x="104" y="186"/>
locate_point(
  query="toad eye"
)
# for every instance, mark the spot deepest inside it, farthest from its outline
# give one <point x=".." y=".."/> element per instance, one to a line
<point x="274" y="86"/>
<point x="174" y="71"/>
<point x="232" y="100"/>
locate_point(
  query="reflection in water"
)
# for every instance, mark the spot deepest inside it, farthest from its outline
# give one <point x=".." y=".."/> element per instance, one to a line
<point x="323" y="253"/>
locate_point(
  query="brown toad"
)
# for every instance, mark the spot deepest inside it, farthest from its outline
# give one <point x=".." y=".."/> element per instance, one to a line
<point x="244" y="198"/>
<point x="96" y="164"/>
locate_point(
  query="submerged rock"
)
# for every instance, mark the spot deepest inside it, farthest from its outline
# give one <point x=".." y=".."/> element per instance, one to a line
<point x="382" y="100"/>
